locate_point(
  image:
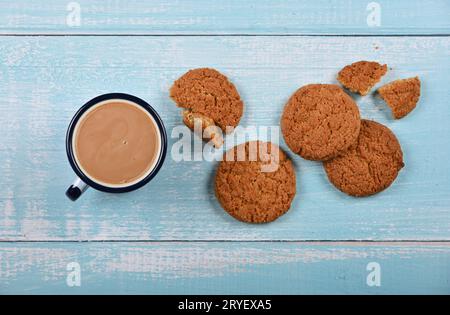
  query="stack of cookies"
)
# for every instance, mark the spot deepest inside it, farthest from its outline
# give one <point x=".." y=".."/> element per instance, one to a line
<point x="320" y="122"/>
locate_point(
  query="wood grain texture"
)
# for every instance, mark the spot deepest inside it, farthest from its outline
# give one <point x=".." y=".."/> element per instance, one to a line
<point x="224" y="268"/>
<point x="226" y="17"/>
<point x="44" y="80"/>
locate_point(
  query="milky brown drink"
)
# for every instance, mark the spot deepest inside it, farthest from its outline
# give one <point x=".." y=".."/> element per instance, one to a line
<point x="116" y="143"/>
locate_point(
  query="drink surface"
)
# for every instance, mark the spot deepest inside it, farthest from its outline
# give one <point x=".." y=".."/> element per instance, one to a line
<point x="116" y="143"/>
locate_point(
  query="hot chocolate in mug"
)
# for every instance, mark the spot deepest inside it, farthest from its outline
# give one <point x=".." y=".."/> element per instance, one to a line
<point x="115" y="143"/>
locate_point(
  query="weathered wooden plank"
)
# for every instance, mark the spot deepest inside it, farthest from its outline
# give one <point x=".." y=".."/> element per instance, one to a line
<point x="45" y="79"/>
<point x="224" y="268"/>
<point x="225" y="17"/>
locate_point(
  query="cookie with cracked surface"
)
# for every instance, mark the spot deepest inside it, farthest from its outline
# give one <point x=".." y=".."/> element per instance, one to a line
<point x="320" y="122"/>
<point x="255" y="182"/>
<point x="361" y="76"/>
<point x="401" y="96"/>
<point x="369" y="166"/>
<point x="209" y="95"/>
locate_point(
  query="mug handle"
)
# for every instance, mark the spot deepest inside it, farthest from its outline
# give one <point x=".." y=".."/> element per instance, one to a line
<point x="77" y="188"/>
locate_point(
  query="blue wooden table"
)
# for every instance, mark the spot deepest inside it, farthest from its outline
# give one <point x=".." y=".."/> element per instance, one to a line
<point x="172" y="236"/>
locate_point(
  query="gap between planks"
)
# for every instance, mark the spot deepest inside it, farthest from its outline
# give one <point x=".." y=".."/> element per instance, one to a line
<point x="306" y="242"/>
<point x="216" y="35"/>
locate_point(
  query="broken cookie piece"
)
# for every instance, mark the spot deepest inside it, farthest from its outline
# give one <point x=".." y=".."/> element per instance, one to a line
<point x="206" y="127"/>
<point x="210" y="96"/>
<point x="361" y="76"/>
<point x="401" y="95"/>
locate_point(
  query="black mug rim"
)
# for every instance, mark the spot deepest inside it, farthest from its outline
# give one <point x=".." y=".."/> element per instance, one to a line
<point x="126" y="97"/>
